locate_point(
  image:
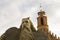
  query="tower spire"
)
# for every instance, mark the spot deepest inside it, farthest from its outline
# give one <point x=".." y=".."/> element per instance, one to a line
<point x="41" y="12"/>
<point x="41" y="7"/>
<point x="42" y="21"/>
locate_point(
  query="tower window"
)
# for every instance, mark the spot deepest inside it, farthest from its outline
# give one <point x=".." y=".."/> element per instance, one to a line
<point x="42" y="23"/>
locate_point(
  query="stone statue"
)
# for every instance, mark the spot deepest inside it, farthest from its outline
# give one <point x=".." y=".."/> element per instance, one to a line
<point x="22" y="33"/>
<point x="11" y="34"/>
<point x="26" y="30"/>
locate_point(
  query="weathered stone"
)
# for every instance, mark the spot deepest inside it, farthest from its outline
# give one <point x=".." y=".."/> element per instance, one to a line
<point x="39" y="35"/>
<point x="25" y="32"/>
<point x="11" y="34"/>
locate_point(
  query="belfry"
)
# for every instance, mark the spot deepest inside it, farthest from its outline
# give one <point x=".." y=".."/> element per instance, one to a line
<point x="42" y="21"/>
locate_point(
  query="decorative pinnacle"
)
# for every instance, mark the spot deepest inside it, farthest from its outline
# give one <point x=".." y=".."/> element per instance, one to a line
<point x="40" y="7"/>
<point x="41" y="12"/>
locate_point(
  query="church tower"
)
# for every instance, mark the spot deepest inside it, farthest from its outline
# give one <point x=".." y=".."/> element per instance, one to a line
<point x="42" y="21"/>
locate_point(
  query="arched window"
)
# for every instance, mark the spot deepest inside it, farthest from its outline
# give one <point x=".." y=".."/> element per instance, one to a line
<point x="42" y="23"/>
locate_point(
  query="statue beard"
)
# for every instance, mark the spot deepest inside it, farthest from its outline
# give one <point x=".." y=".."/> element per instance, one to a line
<point x="26" y="26"/>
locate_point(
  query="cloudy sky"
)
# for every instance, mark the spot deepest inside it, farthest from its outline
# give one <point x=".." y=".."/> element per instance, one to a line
<point x="12" y="12"/>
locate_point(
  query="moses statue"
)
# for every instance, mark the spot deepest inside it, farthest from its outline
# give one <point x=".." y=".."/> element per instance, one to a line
<point x="26" y="30"/>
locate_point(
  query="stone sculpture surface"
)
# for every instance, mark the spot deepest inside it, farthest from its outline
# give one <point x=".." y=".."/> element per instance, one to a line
<point x="25" y="32"/>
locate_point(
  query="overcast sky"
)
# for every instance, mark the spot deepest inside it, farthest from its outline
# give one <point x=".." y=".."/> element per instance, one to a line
<point x="12" y="12"/>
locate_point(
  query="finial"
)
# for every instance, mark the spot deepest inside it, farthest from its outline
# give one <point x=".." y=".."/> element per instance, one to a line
<point x="41" y="12"/>
<point x="40" y="7"/>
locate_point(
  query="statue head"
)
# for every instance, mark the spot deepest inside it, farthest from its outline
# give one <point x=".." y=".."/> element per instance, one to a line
<point x="26" y="23"/>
